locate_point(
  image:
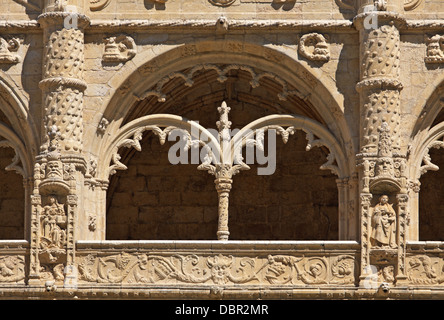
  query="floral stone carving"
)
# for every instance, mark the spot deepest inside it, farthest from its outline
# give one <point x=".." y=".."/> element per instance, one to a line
<point x="119" y="49"/>
<point x="313" y="46"/>
<point x="216" y="269"/>
<point x="435" y="49"/>
<point x="8" y="49"/>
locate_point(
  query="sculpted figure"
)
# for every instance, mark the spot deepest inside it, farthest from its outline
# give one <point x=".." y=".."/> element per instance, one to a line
<point x="384" y="224"/>
<point x="53" y="221"/>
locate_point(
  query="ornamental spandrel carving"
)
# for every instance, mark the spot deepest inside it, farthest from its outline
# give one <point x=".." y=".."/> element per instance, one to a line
<point x="435" y="49"/>
<point x="314" y="46"/>
<point x="119" y="49"/>
<point x="8" y="50"/>
<point x="218" y="269"/>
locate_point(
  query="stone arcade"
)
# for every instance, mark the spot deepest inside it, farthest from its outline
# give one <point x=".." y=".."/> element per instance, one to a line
<point x="91" y="91"/>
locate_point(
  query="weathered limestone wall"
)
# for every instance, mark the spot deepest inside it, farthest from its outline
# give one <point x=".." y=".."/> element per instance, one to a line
<point x="364" y="103"/>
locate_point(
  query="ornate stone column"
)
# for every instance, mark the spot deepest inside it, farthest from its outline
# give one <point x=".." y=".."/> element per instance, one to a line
<point x="60" y="166"/>
<point x="223" y="187"/>
<point x="381" y="158"/>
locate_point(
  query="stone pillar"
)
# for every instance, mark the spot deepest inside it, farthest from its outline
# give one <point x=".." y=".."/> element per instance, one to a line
<point x="343" y="218"/>
<point x="60" y="166"/>
<point x="381" y="158"/>
<point x="223" y="187"/>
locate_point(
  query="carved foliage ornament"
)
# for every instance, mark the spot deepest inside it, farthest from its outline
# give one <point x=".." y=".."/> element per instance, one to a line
<point x="8" y="49"/>
<point x="435" y="49"/>
<point x="411" y="4"/>
<point x="222" y="77"/>
<point x="222" y="3"/>
<point x="313" y="46"/>
<point x="217" y="269"/>
<point x="350" y="4"/>
<point x="119" y="49"/>
<point x="12" y="268"/>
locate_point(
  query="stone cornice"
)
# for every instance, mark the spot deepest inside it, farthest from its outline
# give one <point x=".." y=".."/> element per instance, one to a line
<point x="338" y="25"/>
<point x="58" y="17"/>
<point x="179" y="24"/>
<point x="382" y="16"/>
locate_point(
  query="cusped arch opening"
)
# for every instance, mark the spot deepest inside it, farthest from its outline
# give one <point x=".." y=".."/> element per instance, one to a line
<point x="193" y="86"/>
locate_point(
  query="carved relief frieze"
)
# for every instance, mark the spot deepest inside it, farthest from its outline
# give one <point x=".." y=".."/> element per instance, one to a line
<point x="12" y="268"/>
<point x="425" y="270"/>
<point x="8" y="50"/>
<point x="119" y="49"/>
<point x="143" y="268"/>
<point x="435" y="49"/>
<point x="314" y="46"/>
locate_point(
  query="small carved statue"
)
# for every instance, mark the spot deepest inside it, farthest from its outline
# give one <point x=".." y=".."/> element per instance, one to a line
<point x="383" y="224"/>
<point x="53" y="223"/>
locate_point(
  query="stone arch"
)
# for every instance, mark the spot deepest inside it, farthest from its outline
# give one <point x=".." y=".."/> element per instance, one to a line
<point x="145" y="75"/>
<point x="17" y="133"/>
<point x="426" y="137"/>
<point x="20" y="129"/>
<point x="150" y="67"/>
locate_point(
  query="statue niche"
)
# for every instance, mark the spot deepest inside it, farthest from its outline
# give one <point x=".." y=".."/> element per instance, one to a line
<point x="383" y="223"/>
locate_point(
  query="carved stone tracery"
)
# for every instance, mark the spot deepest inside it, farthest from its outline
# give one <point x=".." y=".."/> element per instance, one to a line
<point x="223" y="155"/>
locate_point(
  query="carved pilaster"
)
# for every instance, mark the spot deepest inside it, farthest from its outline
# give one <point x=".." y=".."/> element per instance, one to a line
<point x="365" y="235"/>
<point x="403" y="220"/>
<point x="54" y="200"/>
<point x="381" y="158"/>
